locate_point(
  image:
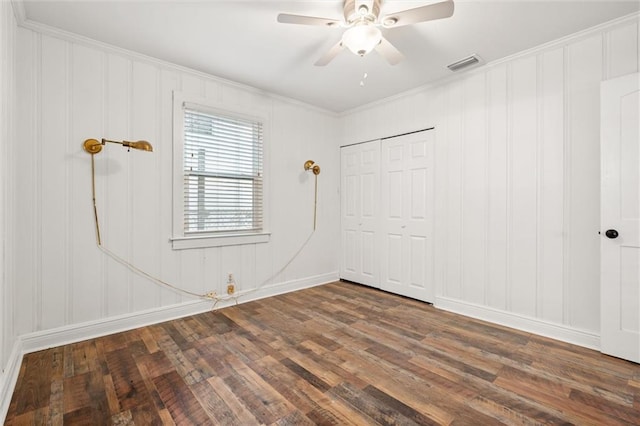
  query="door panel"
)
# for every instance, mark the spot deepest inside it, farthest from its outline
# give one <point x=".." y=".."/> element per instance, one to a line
<point x="349" y="253"/>
<point x="360" y="199"/>
<point x="629" y="278"/>
<point x="367" y="246"/>
<point x="394" y="261"/>
<point x="620" y="211"/>
<point x="417" y="258"/>
<point x="406" y="210"/>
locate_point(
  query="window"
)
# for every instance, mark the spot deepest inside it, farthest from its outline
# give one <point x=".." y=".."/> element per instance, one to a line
<point x="221" y="189"/>
<point x="222" y="173"/>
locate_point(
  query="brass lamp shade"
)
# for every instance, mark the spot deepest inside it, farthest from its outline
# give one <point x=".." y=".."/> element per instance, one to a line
<point x="141" y="145"/>
<point x="308" y="164"/>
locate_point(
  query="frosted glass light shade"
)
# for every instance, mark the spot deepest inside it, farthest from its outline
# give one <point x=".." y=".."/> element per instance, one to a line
<point x="361" y="39"/>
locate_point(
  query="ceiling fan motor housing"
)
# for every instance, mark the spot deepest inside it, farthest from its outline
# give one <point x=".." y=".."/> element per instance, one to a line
<point x="352" y="14"/>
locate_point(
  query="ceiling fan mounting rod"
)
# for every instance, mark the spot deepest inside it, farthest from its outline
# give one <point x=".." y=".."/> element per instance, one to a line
<point x="353" y="15"/>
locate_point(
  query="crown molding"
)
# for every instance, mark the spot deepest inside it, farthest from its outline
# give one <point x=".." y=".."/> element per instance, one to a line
<point x="19" y="11"/>
<point x="24" y="22"/>
<point x="554" y="44"/>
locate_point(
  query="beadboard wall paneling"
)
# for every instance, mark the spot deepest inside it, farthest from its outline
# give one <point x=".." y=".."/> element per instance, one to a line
<point x="522" y="126"/>
<point x="584" y="65"/>
<point x="518" y="178"/>
<point x="144" y="170"/>
<point x="454" y="201"/>
<point x="498" y="173"/>
<point x="9" y="356"/>
<point x="70" y="91"/>
<point x="86" y="103"/>
<point x="474" y="194"/>
<point x="116" y="166"/>
<point x="622" y="51"/>
<point x="419" y="100"/>
<point x="55" y="125"/>
<point x="170" y="261"/>
<point x="550" y="165"/>
<point x="22" y="241"/>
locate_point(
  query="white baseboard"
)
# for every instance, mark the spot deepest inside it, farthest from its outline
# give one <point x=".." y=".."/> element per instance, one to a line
<point x="77" y="332"/>
<point x="46" y="339"/>
<point x="9" y="377"/>
<point x="560" y="332"/>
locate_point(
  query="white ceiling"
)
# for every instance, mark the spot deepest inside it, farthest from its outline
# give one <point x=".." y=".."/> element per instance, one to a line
<point x="240" y="40"/>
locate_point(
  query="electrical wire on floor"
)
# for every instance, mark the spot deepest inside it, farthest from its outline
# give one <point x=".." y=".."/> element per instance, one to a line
<point x="209" y="296"/>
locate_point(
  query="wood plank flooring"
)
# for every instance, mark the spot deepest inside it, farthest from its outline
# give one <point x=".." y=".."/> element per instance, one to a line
<point x="331" y="355"/>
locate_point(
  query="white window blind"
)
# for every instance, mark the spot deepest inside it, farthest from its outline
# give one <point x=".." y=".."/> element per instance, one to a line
<point x="222" y="173"/>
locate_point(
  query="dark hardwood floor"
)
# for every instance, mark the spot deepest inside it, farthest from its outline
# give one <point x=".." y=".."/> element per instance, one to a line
<point x="335" y="354"/>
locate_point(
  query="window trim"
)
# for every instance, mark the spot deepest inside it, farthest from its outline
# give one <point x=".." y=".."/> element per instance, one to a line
<point x="181" y="240"/>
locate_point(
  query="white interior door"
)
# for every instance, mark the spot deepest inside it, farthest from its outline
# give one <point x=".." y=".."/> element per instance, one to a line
<point x="620" y="218"/>
<point x="406" y="182"/>
<point x="360" y="188"/>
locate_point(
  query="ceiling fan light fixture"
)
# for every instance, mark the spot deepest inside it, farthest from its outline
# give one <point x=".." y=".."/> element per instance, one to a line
<point x="361" y="39"/>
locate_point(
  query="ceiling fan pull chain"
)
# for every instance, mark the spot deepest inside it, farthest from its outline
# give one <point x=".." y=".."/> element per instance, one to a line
<point x="365" y="74"/>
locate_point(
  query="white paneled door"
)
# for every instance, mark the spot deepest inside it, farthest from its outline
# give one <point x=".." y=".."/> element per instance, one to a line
<point x="406" y="182"/>
<point x="620" y="218"/>
<point x="360" y="199"/>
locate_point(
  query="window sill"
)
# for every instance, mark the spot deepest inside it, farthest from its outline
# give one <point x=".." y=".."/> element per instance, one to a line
<point x="203" y="241"/>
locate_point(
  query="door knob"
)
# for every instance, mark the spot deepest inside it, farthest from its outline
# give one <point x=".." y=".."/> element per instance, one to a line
<point x="611" y="233"/>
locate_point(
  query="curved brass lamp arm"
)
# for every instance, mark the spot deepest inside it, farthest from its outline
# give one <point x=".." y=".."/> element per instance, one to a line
<point x="93" y="146"/>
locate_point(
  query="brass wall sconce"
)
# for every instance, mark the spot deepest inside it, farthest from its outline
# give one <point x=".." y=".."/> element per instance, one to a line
<point x="93" y="146"/>
<point x="310" y="165"/>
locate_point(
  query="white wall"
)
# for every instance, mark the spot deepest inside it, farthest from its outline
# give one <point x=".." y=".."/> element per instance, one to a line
<point x="7" y="337"/>
<point x="70" y="90"/>
<point x="517" y="178"/>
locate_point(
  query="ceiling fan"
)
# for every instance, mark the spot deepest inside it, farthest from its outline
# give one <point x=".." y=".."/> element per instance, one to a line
<point x="363" y="22"/>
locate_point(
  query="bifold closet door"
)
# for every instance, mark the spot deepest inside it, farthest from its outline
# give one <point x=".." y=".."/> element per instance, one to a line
<point x="406" y="215"/>
<point x="360" y="202"/>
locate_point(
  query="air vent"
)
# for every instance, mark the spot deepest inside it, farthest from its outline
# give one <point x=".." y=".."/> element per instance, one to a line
<point x="465" y="62"/>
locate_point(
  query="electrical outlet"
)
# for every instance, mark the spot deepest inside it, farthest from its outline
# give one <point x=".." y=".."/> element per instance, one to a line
<point x="231" y="284"/>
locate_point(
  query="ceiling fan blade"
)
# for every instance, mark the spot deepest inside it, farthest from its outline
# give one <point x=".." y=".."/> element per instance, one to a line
<point x="389" y="52"/>
<point x="286" y="18"/>
<point x="331" y="53"/>
<point x="419" y="14"/>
